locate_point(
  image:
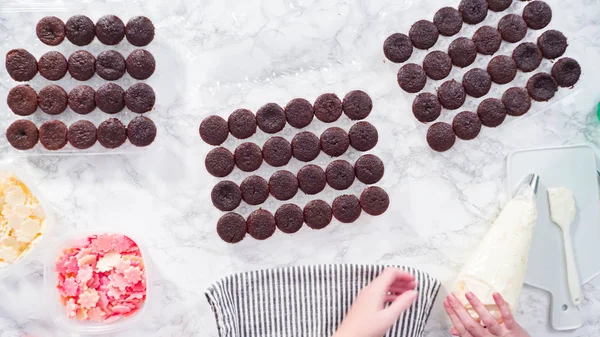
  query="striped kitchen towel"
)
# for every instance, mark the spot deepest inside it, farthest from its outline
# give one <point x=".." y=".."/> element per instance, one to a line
<point x="308" y="301"/>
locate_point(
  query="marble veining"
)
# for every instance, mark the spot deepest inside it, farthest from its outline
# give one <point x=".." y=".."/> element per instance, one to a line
<point x="216" y="56"/>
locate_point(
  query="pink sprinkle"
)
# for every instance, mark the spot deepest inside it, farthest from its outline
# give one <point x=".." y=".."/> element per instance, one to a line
<point x="133" y="275"/>
<point x="88" y="299"/>
<point x="118" y="281"/>
<point x="71" y="308"/>
<point x="102" y="244"/>
<point x="95" y="315"/>
<point x="85" y="274"/>
<point x="71" y="288"/>
<point x="121" y="309"/>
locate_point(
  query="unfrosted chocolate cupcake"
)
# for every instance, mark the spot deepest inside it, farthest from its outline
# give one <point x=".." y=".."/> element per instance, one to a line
<point x="346" y="208"/>
<point x="110" y="65"/>
<point x="270" y="118"/>
<point x="426" y="107"/>
<point x="487" y="40"/>
<point x="334" y="141"/>
<point x="466" y="125"/>
<point x="50" y="30"/>
<point x="231" y="228"/>
<point x="499" y="5"/>
<point x="512" y="27"/>
<point x="451" y="95"/>
<point x="448" y="21"/>
<point x="52" y="99"/>
<point x="110" y="98"/>
<point x="502" y="69"/>
<point x="299" y="113"/>
<point x="516" y="101"/>
<point x="374" y="201"/>
<point x="81" y="65"/>
<point x="317" y="214"/>
<point x="255" y="190"/>
<point x="226" y="196"/>
<point x="537" y="14"/>
<point x="477" y="82"/>
<point x="311" y="179"/>
<point x="412" y="78"/>
<point x="357" y="105"/>
<point x="112" y="133"/>
<point x="552" y="43"/>
<point x="462" y="52"/>
<point x="140" y="64"/>
<point x="441" y="137"/>
<point x="219" y="162"/>
<point x="21" y="65"/>
<point x="328" y="108"/>
<point x="80" y="30"/>
<point x="141" y="131"/>
<point x="527" y="57"/>
<point x="22" y="100"/>
<point x="491" y="112"/>
<point x="82" y="135"/>
<point x="289" y="218"/>
<point x="397" y="48"/>
<point x="566" y="72"/>
<point x="110" y="30"/>
<point x="437" y="65"/>
<point x="277" y="151"/>
<point x="363" y="136"/>
<point x="139" y="31"/>
<point x="82" y="99"/>
<point x="22" y="134"/>
<point x="423" y="34"/>
<point x="542" y="87"/>
<point x="53" y="135"/>
<point x="369" y="169"/>
<point x="140" y="98"/>
<point x="340" y="175"/>
<point x="52" y="66"/>
<point x="283" y="185"/>
<point x="261" y="224"/>
<point x="248" y="157"/>
<point x="306" y="146"/>
<point x="242" y="123"/>
<point x="473" y="11"/>
<point x="214" y="130"/>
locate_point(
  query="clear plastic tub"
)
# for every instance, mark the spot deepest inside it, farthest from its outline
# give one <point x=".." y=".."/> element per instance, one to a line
<point x="57" y="310"/>
<point x="21" y="20"/>
<point x="21" y="173"/>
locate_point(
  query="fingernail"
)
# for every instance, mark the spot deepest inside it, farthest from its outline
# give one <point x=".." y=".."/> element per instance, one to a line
<point x="469" y="295"/>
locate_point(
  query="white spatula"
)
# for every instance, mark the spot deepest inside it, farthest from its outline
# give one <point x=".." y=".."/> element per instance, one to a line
<point x="562" y="213"/>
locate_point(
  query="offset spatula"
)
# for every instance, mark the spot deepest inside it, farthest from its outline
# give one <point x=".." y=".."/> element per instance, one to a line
<point x="562" y="213"/>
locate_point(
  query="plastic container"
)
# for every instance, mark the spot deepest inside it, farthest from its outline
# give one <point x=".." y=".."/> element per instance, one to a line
<point x="57" y="310"/>
<point x="21" y="173"/>
<point x="21" y="33"/>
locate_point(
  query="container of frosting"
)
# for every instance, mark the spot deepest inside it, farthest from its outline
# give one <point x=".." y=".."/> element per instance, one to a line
<point x="26" y="219"/>
<point x="97" y="282"/>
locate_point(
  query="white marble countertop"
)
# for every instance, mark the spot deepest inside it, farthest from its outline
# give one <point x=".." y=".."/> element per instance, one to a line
<point x="236" y="53"/>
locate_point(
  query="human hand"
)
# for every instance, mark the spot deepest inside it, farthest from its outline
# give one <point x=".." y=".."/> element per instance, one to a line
<point x="369" y="316"/>
<point x="466" y="326"/>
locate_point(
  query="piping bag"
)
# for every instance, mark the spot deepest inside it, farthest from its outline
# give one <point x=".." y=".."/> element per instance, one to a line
<point x="499" y="264"/>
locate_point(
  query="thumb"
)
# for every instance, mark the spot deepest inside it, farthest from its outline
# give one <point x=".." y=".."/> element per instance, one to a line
<point x="400" y="304"/>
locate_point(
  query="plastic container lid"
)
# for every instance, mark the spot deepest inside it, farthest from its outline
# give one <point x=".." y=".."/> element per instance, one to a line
<point x="57" y="310"/>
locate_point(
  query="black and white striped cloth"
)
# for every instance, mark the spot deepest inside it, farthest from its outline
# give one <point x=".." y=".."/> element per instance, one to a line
<point x="308" y="301"/>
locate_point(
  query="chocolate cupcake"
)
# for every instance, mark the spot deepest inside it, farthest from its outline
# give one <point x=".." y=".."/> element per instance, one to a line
<point x="141" y="131"/>
<point x="357" y="105"/>
<point x="491" y="112"/>
<point x="437" y="65"/>
<point x="214" y="130"/>
<point x="473" y="11"/>
<point x="487" y="40"/>
<point x="552" y="43"/>
<point x="363" y="136"/>
<point x="423" y="34"/>
<point x="317" y="214"/>
<point x="289" y="218"/>
<point x="397" y="48"/>
<point x="451" y="95"/>
<point x="52" y="99"/>
<point x="270" y="118"/>
<point x="219" y="162"/>
<point x="80" y="30"/>
<point x="21" y="65"/>
<point x="110" y="98"/>
<point x="140" y="98"/>
<point x="82" y="135"/>
<point x="374" y="201"/>
<point x="81" y="65"/>
<point x="566" y="72"/>
<point x="499" y="5"/>
<point x="537" y="14"/>
<point x="277" y="151"/>
<point x="231" y="228"/>
<point x="261" y="224"/>
<point x="140" y="64"/>
<point x="248" y="157"/>
<point x="22" y="134"/>
<point x="448" y="21"/>
<point x="335" y="141"/>
<point x="110" y="65"/>
<point x="441" y="137"/>
<point x="328" y="108"/>
<point x="502" y="69"/>
<point x="53" y="135"/>
<point x="242" y="124"/>
<point x="516" y="101"/>
<point x="311" y="179"/>
<point x="112" y="133"/>
<point x="527" y="57"/>
<point x="306" y="146"/>
<point x="426" y="107"/>
<point x="299" y="113"/>
<point x="477" y="82"/>
<point x="82" y="99"/>
<point x="369" y="169"/>
<point x="22" y="100"/>
<point x="412" y="78"/>
<point x="110" y="30"/>
<point x="283" y="185"/>
<point x="346" y="208"/>
<point x="542" y="87"/>
<point x="462" y="52"/>
<point x="512" y="28"/>
<point x="52" y="66"/>
<point x="255" y="190"/>
<point x="340" y="175"/>
<point x="466" y="125"/>
<point x="50" y="30"/>
<point x="139" y="31"/>
<point x="226" y="196"/>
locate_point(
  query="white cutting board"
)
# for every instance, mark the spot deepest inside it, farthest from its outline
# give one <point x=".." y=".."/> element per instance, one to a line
<point x="573" y="167"/>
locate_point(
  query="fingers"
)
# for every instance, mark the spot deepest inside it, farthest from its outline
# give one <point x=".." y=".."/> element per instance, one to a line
<point x="393" y="275"/>
<point x="471" y="325"/>
<point x="490" y="322"/>
<point x="390" y="298"/>
<point x="458" y="328"/>
<point x="507" y="316"/>
<point x="400" y="304"/>
<point x="400" y="288"/>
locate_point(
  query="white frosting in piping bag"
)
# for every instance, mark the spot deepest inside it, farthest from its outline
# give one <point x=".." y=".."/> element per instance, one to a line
<point x="499" y="263"/>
